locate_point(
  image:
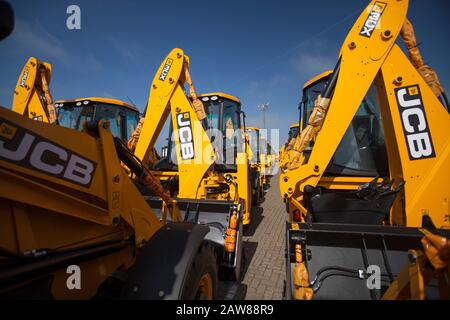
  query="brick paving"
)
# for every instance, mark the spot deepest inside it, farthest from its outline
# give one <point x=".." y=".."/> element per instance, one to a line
<point x="264" y="263"/>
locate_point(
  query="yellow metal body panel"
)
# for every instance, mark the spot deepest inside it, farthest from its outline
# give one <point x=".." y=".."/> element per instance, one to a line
<point x="100" y="99"/>
<point x="191" y="172"/>
<point x="158" y="107"/>
<point x="313" y="80"/>
<point x="167" y="96"/>
<point x="26" y="99"/>
<point x="95" y="202"/>
<point x="337" y="121"/>
<point x="221" y="94"/>
<point x="427" y="189"/>
<point x="380" y="61"/>
<point x="41" y="208"/>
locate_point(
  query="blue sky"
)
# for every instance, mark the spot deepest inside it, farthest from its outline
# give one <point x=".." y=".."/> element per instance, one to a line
<point x="261" y="51"/>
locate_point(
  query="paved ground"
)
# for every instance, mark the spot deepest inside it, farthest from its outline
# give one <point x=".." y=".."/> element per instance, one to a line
<point x="264" y="265"/>
<point x="263" y="271"/>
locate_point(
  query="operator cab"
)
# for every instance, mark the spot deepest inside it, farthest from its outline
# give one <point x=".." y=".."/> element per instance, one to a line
<point x="224" y="120"/>
<point x="254" y="142"/>
<point x="360" y="154"/>
<point x="362" y="151"/>
<point x="123" y="118"/>
<point x="293" y="132"/>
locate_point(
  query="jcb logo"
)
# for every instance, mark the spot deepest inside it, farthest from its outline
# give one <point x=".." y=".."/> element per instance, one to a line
<point x="165" y="70"/>
<point x="373" y="19"/>
<point x="27" y="149"/>
<point x="185" y="136"/>
<point x="23" y="80"/>
<point x="414" y="121"/>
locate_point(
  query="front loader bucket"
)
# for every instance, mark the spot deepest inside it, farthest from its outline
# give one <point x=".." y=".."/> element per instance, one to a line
<point x="216" y="215"/>
<point x="331" y="251"/>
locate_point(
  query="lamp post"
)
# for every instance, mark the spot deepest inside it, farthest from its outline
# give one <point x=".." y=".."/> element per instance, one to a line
<point x="263" y="108"/>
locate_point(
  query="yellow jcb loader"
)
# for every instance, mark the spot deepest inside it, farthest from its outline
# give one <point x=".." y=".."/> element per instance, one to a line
<point x="81" y="200"/>
<point x="205" y="161"/>
<point x="283" y="154"/>
<point x="255" y="156"/>
<point x="367" y="183"/>
<point x="33" y="98"/>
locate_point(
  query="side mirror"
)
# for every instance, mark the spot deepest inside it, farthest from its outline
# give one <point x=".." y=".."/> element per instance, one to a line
<point x="6" y="19"/>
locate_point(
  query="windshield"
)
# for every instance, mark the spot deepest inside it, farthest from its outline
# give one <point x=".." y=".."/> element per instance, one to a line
<point x="293" y="132"/>
<point x="225" y="109"/>
<point x="362" y="150"/>
<point x="122" y="120"/>
<point x="75" y="117"/>
<point x="253" y="139"/>
<point x="223" y="128"/>
<point x="223" y="122"/>
<point x="264" y="147"/>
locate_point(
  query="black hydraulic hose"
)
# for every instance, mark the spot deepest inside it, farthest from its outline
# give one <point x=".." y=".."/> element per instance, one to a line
<point x="337" y="268"/>
<point x="328" y="91"/>
<point x="128" y="158"/>
<point x="47" y="264"/>
<point x="354" y="274"/>
<point x="386" y="260"/>
<point x="235" y="191"/>
<point x="124" y="154"/>
<point x="331" y="274"/>
<point x="10" y="254"/>
<point x="366" y="262"/>
<point x="342" y="269"/>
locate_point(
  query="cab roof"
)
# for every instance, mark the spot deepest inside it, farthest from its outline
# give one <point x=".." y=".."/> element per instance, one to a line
<point x="317" y="78"/>
<point x="99" y="99"/>
<point x="221" y="94"/>
<point x="252" y="128"/>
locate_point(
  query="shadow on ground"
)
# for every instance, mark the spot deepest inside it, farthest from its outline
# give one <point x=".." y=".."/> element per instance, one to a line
<point x="229" y="290"/>
<point x="256" y="218"/>
<point x="249" y="250"/>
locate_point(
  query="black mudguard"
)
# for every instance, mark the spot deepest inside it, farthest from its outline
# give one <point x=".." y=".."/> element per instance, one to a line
<point x="164" y="263"/>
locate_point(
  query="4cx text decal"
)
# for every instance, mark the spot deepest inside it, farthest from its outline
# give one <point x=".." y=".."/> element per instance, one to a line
<point x="185" y="136"/>
<point x="373" y="19"/>
<point x="29" y="150"/>
<point x="414" y="121"/>
<point x="23" y="80"/>
<point x="165" y="69"/>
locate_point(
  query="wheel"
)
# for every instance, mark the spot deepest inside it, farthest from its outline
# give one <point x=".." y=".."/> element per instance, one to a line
<point x="201" y="282"/>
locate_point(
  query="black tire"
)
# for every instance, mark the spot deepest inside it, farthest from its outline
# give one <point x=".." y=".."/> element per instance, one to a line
<point x="204" y="264"/>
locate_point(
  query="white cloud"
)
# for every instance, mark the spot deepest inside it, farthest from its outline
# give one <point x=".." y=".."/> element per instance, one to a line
<point x="309" y="64"/>
<point x="131" y="51"/>
<point x="264" y="89"/>
<point x="35" y="38"/>
<point x="92" y="64"/>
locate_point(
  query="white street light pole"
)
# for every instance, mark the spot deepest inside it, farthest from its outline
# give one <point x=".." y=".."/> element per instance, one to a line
<point x="263" y="108"/>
